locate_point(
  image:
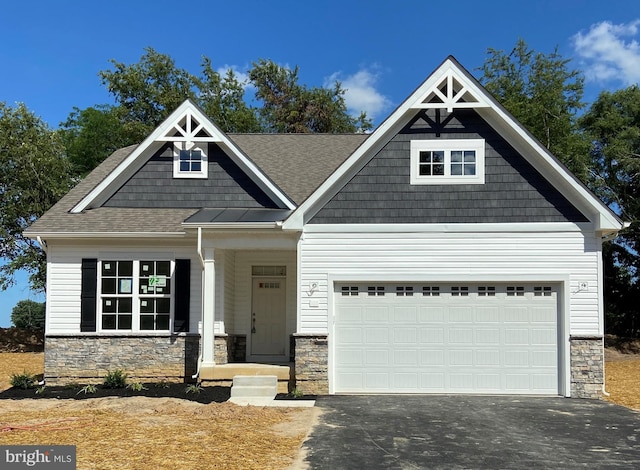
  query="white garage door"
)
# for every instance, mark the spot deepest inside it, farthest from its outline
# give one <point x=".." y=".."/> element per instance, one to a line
<point x="446" y="338"/>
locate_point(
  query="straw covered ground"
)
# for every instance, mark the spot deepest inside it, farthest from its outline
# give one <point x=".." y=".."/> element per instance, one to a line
<point x="159" y="433"/>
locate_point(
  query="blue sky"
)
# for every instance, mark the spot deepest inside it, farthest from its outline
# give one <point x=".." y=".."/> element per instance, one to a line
<point x="380" y="50"/>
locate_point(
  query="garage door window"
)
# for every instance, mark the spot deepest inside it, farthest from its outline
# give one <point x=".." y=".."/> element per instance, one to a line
<point x="517" y="291"/>
<point x="431" y="291"/>
<point x="375" y="290"/>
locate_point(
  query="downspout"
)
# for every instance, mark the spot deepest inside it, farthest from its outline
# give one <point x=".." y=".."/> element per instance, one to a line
<point x="608" y="237"/>
<point x="199" y="249"/>
<point x="42" y="243"/>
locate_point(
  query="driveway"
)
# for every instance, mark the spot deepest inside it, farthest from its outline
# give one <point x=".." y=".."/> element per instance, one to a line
<point x="455" y="432"/>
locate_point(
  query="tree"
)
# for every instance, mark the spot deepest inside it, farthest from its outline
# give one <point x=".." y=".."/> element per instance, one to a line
<point x="150" y="89"/>
<point x="545" y="95"/>
<point x="613" y="125"/>
<point x="28" y="314"/>
<point x="222" y="100"/>
<point x="293" y="108"/>
<point x="90" y="135"/>
<point x="35" y="174"/>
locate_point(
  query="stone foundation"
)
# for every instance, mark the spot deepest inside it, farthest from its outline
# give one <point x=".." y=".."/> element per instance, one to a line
<point x="311" y="364"/>
<point x="88" y="358"/>
<point x="221" y="349"/>
<point x="587" y="367"/>
<point x="238" y="351"/>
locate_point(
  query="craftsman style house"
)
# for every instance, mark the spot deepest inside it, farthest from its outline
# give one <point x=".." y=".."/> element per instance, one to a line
<point x="446" y="252"/>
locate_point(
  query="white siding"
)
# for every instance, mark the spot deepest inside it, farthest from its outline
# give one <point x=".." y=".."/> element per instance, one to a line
<point x="329" y="257"/>
<point x="64" y="277"/>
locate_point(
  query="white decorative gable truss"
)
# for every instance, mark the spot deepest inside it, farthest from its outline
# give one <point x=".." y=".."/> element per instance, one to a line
<point x="185" y="125"/>
<point x="448" y="88"/>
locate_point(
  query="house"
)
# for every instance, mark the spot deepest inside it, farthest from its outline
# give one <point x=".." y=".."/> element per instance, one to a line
<point x="446" y="252"/>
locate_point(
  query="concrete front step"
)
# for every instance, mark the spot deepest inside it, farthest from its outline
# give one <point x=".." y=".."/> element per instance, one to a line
<point x="224" y="373"/>
<point x="252" y="386"/>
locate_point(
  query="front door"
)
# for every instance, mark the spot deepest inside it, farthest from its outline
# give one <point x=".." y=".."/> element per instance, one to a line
<point x="268" y="317"/>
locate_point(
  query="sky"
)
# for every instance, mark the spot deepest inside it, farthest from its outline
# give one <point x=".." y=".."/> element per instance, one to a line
<point x="380" y="50"/>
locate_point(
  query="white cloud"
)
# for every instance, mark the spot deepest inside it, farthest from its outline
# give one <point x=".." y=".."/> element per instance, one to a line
<point x="610" y="52"/>
<point x="242" y="77"/>
<point x="360" y="92"/>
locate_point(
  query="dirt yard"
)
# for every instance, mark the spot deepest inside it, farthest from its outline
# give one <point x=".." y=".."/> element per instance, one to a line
<point x="169" y="433"/>
<point x="159" y="433"/>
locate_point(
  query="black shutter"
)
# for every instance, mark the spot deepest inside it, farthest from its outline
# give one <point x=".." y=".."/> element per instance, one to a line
<point x="182" y="295"/>
<point x="88" y="289"/>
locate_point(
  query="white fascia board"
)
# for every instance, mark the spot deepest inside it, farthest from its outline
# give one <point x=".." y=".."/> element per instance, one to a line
<point x="538" y="227"/>
<point x="551" y="169"/>
<point x="72" y="235"/>
<point x="154" y="141"/>
<point x="389" y="127"/>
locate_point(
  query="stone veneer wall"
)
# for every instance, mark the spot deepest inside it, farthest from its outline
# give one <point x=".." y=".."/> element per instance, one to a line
<point x="311" y="364"/>
<point x="221" y="349"/>
<point x="88" y="358"/>
<point x="587" y="367"/>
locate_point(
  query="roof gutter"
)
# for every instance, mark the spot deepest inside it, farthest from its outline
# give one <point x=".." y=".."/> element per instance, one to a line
<point x="68" y="235"/>
<point x="236" y="225"/>
<point x="42" y="243"/>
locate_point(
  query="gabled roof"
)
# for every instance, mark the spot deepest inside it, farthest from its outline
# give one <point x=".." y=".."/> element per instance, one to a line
<point x="186" y="124"/>
<point x="451" y="87"/>
<point x="296" y="163"/>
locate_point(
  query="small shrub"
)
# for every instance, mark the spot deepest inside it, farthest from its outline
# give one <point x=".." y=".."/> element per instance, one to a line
<point x="23" y="381"/>
<point x="136" y="386"/>
<point x="41" y="390"/>
<point x="115" y="379"/>
<point x="296" y="393"/>
<point x="87" y="389"/>
<point x="162" y="384"/>
<point x="193" y="388"/>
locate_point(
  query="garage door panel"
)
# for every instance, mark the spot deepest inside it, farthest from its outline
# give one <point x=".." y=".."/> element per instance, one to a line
<point x="470" y="340"/>
<point x="432" y="358"/>
<point x="405" y="336"/>
<point x="431" y="314"/>
<point x="405" y="357"/>
<point x="433" y="336"/>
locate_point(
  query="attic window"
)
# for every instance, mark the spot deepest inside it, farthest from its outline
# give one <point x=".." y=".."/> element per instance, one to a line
<point x="189" y="160"/>
<point x="438" y="161"/>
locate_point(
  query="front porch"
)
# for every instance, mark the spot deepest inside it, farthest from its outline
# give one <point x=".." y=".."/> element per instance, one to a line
<point x="223" y="374"/>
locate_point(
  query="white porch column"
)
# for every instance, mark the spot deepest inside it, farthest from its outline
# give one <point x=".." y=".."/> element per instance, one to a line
<point x="208" y="311"/>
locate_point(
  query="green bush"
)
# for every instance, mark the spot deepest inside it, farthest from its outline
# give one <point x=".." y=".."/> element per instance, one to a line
<point x="115" y="379"/>
<point x="23" y="381"/>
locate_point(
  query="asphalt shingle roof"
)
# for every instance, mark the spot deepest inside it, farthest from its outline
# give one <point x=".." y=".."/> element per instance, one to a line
<point x="297" y="163"/>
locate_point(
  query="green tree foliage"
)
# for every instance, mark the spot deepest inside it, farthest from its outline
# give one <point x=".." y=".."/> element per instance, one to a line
<point x="613" y="125"/>
<point x="35" y="174"/>
<point x="149" y="90"/>
<point x="28" y="314"/>
<point x="545" y="95"/>
<point x="290" y="107"/>
<point x="89" y="135"/>
<point x="146" y="92"/>
<point x="222" y="99"/>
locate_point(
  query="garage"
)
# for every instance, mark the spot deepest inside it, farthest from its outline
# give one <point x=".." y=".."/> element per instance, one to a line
<point x="446" y="338"/>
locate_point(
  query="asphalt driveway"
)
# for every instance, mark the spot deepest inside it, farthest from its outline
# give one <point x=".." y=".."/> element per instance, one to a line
<point x="454" y="432"/>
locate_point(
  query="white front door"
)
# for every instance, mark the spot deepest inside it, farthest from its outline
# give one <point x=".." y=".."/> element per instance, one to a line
<point x="268" y="317"/>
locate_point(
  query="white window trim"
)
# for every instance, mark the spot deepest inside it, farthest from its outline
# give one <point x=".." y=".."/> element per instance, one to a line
<point x="135" y="296"/>
<point x="204" y="168"/>
<point x="447" y="146"/>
